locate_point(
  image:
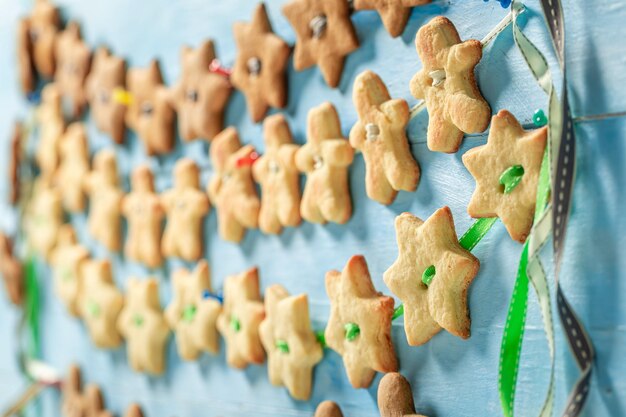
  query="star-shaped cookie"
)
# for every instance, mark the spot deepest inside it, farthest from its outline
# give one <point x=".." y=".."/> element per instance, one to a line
<point x="200" y="95"/>
<point x="325" y="35"/>
<point x="231" y="189"/>
<point x="81" y="402"/>
<point x="39" y="32"/>
<point x="72" y="67"/>
<point x="11" y="271"/>
<point x="447" y="84"/>
<point x="291" y="346"/>
<point x="325" y="159"/>
<point x="105" y="200"/>
<point x="185" y="206"/>
<point x="328" y="409"/>
<point x="278" y="176"/>
<point x="431" y="276"/>
<point x="100" y="303"/>
<point x="144" y="327"/>
<point x="15" y="160"/>
<point x="394" y="13"/>
<point x="508" y="147"/>
<point x="395" y="397"/>
<point x="380" y="134"/>
<point x="359" y="327"/>
<point x="192" y="313"/>
<point x="67" y="260"/>
<point x="107" y="75"/>
<point x="240" y="318"/>
<point x="43" y="217"/>
<point x="150" y="112"/>
<point x="49" y="115"/>
<point x="74" y="167"/>
<point x="259" y="70"/>
<point x="144" y="213"/>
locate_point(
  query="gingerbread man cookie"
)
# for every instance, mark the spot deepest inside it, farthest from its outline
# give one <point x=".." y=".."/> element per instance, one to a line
<point x="200" y="95"/>
<point x="232" y="189"/>
<point x="291" y="346"/>
<point x="144" y="214"/>
<point x="67" y="260"/>
<point x="394" y="13"/>
<point x="325" y="35"/>
<point x="278" y="176"/>
<point x="359" y="327"/>
<point x="44" y="217"/>
<point x="15" y="160"/>
<point x="431" y="276"/>
<point x="51" y="127"/>
<point x="328" y="409"/>
<point x="74" y="152"/>
<point x="106" y="78"/>
<point x="144" y="327"/>
<point x="79" y="402"/>
<point x="185" y="206"/>
<point x="447" y="84"/>
<point x="395" y="398"/>
<point x="193" y="312"/>
<point x="325" y="159"/>
<point x="239" y="321"/>
<point x="150" y="113"/>
<point x="260" y="68"/>
<point x="100" y="303"/>
<point x="506" y="170"/>
<point x="380" y="134"/>
<point x="105" y="200"/>
<point x="73" y="59"/>
<point x="11" y="271"/>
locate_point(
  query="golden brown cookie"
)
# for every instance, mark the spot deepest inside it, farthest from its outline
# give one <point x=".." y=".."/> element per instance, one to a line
<point x="359" y="327"/>
<point x="506" y="170"/>
<point x="49" y="115"/>
<point x="431" y="276"/>
<point x="43" y="217"/>
<point x="144" y="213"/>
<point x="278" y="176"/>
<point x="143" y="325"/>
<point x="73" y="59"/>
<point x="26" y="66"/>
<point x="185" y="206"/>
<point x="328" y="409"/>
<point x="394" y="13"/>
<point x="447" y="84"/>
<point x="193" y="311"/>
<point x="201" y="95"/>
<point x="74" y="167"/>
<point x="106" y="77"/>
<point x="325" y="159"/>
<point x="150" y="112"/>
<point x="81" y="402"/>
<point x="291" y="346"/>
<point x="260" y="68"/>
<point x="239" y="321"/>
<point x="325" y="35"/>
<point x="105" y="200"/>
<point x="38" y="32"/>
<point x="15" y="160"/>
<point x="133" y="410"/>
<point x="11" y="271"/>
<point x="380" y="134"/>
<point x="395" y="398"/>
<point x="231" y="188"/>
<point x="67" y="260"/>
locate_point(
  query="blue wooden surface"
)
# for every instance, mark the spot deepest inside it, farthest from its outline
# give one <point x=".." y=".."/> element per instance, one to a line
<point x="450" y="377"/>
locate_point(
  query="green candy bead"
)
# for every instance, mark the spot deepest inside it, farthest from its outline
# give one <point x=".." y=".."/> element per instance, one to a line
<point x="539" y="118"/>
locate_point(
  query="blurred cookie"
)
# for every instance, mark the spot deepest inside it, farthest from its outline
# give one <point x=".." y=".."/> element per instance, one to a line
<point x="394" y="13"/>
<point x="49" y="116"/>
<point x="74" y="167"/>
<point x="11" y="271"/>
<point x="43" y="217"/>
<point x="73" y="59"/>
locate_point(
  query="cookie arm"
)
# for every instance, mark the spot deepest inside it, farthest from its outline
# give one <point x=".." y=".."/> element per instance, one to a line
<point x="214" y="188"/>
<point x="304" y="159"/>
<point x="337" y="152"/>
<point x="466" y="55"/>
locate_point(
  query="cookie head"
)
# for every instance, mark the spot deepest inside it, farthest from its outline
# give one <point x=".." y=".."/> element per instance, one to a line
<point x="73" y="64"/>
<point x="142" y="179"/>
<point x="395" y="398"/>
<point x="186" y="174"/>
<point x="328" y="409"/>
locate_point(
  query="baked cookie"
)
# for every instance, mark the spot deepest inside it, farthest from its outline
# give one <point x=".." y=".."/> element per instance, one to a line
<point x="43" y="217"/>
<point x="192" y="313"/>
<point x="394" y="13"/>
<point x="325" y="159"/>
<point x="73" y="58"/>
<point x="328" y="409"/>
<point x="395" y="398"/>
<point x="144" y="214"/>
<point x="506" y="170"/>
<point x="447" y="84"/>
<point x="49" y="116"/>
<point x="260" y="68"/>
<point x="325" y="35"/>
<point x="231" y="188"/>
<point x="359" y="327"/>
<point x="67" y="260"/>
<point x="105" y="200"/>
<point x="15" y="160"/>
<point x="107" y="76"/>
<point x="79" y="402"/>
<point x="144" y="327"/>
<point x="150" y="113"/>
<point x="74" y="167"/>
<point x="26" y="66"/>
<point x="201" y="95"/>
<point x="278" y="176"/>
<point x="380" y="134"/>
<point x="242" y="313"/>
<point x="431" y="276"/>
<point x="291" y="346"/>
<point x="185" y="206"/>
<point x="133" y="410"/>
<point x="11" y="271"/>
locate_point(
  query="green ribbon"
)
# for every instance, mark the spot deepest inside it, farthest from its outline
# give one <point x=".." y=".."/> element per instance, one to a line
<point x="32" y="306"/>
<point x="352" y="331"/>
<point x="235" y="324"/>
<point x="511" y="177"/>
<point x="189" y="312"/>
<point x="428" y="275"/>
<point x="282" y="345"/>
